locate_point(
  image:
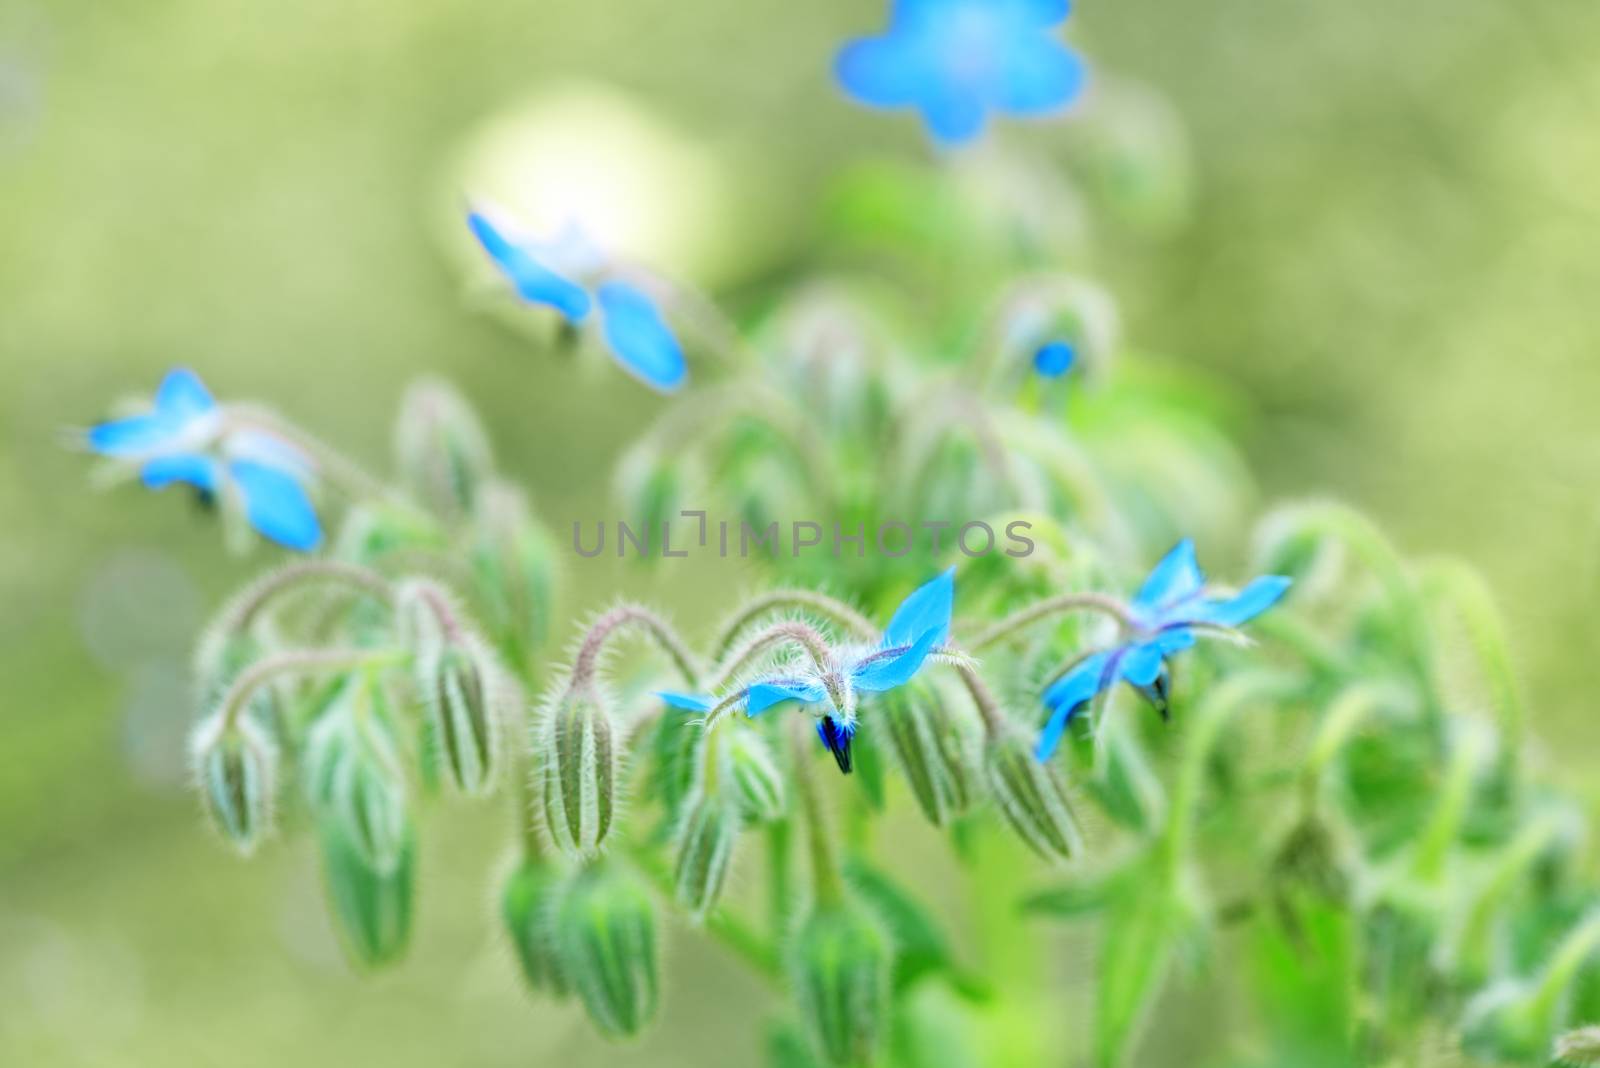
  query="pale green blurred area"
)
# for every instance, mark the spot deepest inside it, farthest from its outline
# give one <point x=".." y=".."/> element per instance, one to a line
<point x="1394" y="259"/>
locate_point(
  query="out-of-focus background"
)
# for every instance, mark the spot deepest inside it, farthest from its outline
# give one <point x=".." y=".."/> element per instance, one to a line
<point x="1392" y="255"/>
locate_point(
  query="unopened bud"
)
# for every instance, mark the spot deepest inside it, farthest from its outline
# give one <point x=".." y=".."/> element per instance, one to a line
<point x="514" y="564"/>
<point x="1030" y="796"/>
<point x="931" y="748"/>
<point x="606" y="933"/>
<point x="372" y="906"/>
<point x="441" y="449"/>
<point x="355" y="778"/>
<point x="527" y="906"/>
<point x="1579" y="1047"/>
<point x="840" y="971"/>
<point x="578" y="768"/>
<point x="650" y="486"/>
<point x="706" y="838"/>
<point x="752" y="775"/>
<point x="457" y="683"/>
<point x="236" y="769"/>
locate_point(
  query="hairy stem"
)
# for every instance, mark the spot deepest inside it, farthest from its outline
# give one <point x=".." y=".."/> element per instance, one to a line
<point x="827" y="885"/>
<point x="994" y="720"/>
<point x="298" y="662"/>
<point x="635" y="617"/>
<point x="802" y="634"/>
<point x="254" y="598"/>
<point x="1050" y="606"/>
<point x="809" y="600"/>
<point x="726" y="928"/>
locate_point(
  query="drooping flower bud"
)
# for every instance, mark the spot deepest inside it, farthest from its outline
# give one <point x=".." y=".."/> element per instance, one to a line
<point x="372" y="906"/>
<point x="457" y="683"/>
<point x="1030" y="796"/>
<point x="840" y="971"/>
<point x="753" y="776"/>
<point x="527" y="907"/>
<point x="236" y="768"/>
<point x="706" y="837"/>
<point x="441" y="449"/>
<point x="606" y="934"/>
<point x="578" y="767"/>
<point x="514" y="564"/>
<point x="354" y="776"/>
<point x="931" y="747"/>
<point x="1579" y="1047"/>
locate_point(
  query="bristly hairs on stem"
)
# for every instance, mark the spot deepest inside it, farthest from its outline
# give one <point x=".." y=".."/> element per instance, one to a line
<point x="613" y="623"/>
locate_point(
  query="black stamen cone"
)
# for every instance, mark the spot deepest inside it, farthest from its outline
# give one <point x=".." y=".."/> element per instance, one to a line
<point x="837" y="741"/>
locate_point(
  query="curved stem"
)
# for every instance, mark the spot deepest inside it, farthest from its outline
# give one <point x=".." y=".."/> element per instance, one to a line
<point x="639" y="618"/>
<point x="810" y="600"/>
<point x="442" y="610"/>
<point x="801" y="634"/>
<point x="994" y="721"/>
<point x="1066" y="602"/>
<point x="827" y="886"/>
<point x="253" y="599"/>
<point x="297" y="662"/>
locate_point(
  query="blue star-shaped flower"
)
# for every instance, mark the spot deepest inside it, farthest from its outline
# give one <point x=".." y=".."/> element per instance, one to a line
<point x="957" y="60"/>
<point x="918" y="627"/>
<point x="1168" y="609"/>
<point x="634" y="331"/>
<point x="184" y="439"/>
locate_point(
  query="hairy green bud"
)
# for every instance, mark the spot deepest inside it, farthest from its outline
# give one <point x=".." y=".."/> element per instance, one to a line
<point x="706" y="837"/>
<point x="354" y="775"/>
<point x="441" y="450"/>
<point x="514" y="564"/>
<point x="372" y="906"/>
<point x="840" y="971"/>
<point x="930" y="748"/>
<point x="236" y="769"/>
<point x="1030" y="796"/>
<point x="527" y="907"/>
<point x="753" y="776"/>
<point x="606" y="935"/>
<point x="677" y="749"/>
<point x="578" y="769"/>
<point x="1579" y="1047"/>
<point x="457" y="683"/>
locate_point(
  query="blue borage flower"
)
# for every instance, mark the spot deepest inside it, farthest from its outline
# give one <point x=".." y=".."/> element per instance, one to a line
<point x="1168" y="610"/>
<point x="957" y="60"/>
<point x="634" y="331"/>
<point x="1054" y="358"/>
<point x="918" y="628"/>
<point x="185" y="438"/>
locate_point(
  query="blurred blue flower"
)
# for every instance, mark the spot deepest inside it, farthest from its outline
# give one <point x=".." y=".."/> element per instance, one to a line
<point x="957" y="60"/>
<point x="1167" y="611"/>
<point x="184" y="439"/>
<point x="635" y="333"/>
<point x="1054" y="358"/>
<point x="918" y="628"/>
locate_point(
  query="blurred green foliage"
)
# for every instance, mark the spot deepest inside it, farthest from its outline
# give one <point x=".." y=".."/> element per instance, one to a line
<point x="1390" y="259"/>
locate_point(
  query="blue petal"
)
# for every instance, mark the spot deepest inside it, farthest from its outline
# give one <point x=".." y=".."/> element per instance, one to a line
<point x="640" y="339"/>
<point x="763" y="695"/>
<point x="1039" y="76"/>
<point x="1174" y="639"/>
<point x="277" y="505"/>
<point x="532" y="280"/>
<point x="137" y="434"/>
<point x="927" y="610"/>
<point x="1054" y="358"/>
<point x="1257" y="597"/>
<point x="1176" y="578"/>
<point x="692" y="702"/>
<point x="887" y="672"/>
<point x="1142" y="664"/>
<point x="182" y="396"/>
<point x="1070" y="693"/>
<point x="198" y="471"/>
<point x="881" y="71"/>
<point x="1044" y="13"/>
<point x="954" y="114"/>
